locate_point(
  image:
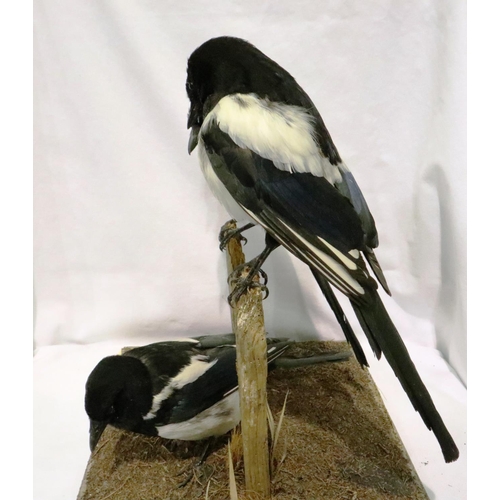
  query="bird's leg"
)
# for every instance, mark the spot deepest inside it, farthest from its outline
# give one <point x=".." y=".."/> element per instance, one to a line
<point x="226" y="233"/>
<point x="204" y="454"/>
<point x="199" y="466"/>
<point x="243" y="283"/>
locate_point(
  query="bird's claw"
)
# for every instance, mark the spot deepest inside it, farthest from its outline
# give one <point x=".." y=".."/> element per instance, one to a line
<point x="201" y="472"/>
<point x="236" y="276"/>
<point x="242" y="286"/>
<point x="224" y="239"/>
<point x="226" y="233"/>
<point x="186" y="480"/>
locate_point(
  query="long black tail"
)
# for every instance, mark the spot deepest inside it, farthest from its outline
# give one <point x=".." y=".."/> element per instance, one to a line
<point x="378" y="326"/>
<point x="325" y="357"/>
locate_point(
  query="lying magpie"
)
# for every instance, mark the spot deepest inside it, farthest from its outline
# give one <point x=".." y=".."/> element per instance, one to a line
<point x="268" y="157"/>
<point x="184" y="389"/>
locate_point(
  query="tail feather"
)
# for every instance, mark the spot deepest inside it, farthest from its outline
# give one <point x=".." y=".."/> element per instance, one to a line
<point x="341" y="317"/>
<point x="377" y="270"/>
<point x="372" y="339"/>
<point x="377" y="324"/>
<point x="325" y="357"/>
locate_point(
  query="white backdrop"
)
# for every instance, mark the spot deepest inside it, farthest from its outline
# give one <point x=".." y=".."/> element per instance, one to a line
<point x="126" y="229"/>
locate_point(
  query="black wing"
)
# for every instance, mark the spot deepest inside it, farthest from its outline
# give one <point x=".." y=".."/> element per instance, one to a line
<point x="204" y="392"/>
<point x="305" y="213"/>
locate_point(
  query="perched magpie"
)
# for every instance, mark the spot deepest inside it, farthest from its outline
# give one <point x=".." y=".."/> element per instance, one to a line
<point x="268" y="157"/>
<point x="184" y="389"/>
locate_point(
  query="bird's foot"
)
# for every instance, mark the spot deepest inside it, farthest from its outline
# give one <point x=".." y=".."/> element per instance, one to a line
<point x="227" y="231"/>
<point x="246" y="272"/>
<point x="200" y="472"/>
<point x="242" y="279"/>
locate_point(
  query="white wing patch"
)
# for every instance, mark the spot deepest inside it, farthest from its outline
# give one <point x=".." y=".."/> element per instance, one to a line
<point x="346" y="261"/>
<point x="198" y="366"/>
<point x="278" y="132"/>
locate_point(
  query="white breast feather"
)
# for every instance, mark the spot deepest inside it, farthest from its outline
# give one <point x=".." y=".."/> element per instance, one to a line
<point x="214" y="421"/>
<point x="218" y="189"/>
<point x="278" y="132"/>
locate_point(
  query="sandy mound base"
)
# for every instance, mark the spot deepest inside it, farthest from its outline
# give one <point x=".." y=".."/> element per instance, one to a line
<point x="337" y="442"/>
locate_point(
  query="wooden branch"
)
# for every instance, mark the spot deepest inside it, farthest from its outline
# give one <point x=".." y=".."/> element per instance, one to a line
<point x="251" y="351"/>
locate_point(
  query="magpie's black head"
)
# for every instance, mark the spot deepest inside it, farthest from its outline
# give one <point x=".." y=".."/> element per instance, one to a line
<point x="118" y="392"/>
<point x="227" y="65"/>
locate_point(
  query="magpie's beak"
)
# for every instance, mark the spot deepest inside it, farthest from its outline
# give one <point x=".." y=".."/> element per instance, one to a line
<point x="96" y="429"/>
<point x="194" y="123"/>
<point x="193" y="138"/>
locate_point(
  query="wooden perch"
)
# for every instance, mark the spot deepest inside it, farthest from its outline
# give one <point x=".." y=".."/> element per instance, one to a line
<point x="251" y="352"/>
